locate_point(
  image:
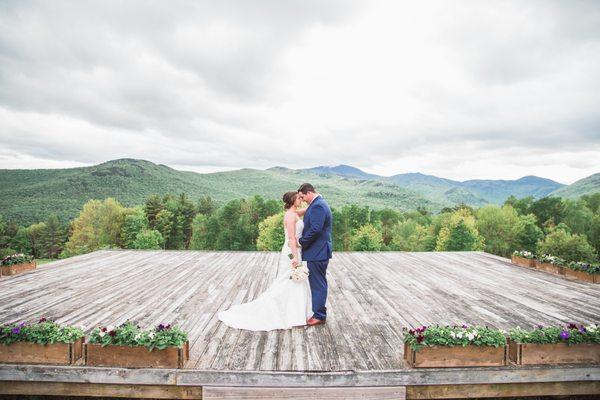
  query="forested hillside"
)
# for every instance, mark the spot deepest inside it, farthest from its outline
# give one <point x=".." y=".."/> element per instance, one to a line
<point x="29" y="196"/>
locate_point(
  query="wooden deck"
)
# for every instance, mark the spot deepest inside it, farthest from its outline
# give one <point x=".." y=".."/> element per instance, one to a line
<point x="372" y="296"/>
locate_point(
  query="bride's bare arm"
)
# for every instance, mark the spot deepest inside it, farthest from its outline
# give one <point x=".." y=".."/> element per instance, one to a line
<point x="301" y="212"/>
<point x="290" y="226"/>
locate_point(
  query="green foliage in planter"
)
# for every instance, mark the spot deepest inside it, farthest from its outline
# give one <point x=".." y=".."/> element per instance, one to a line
<point x="129" y="334"/>
<point x="571" y="334"/>
<point x="584" y="267"/>
<point x="42" y="332"/>
<point x="454" y="336"/>
<point x="546" y="258"/>
<point x="571" y="247"/>
<point x="524" y="254"/>
<point x="15" y="259"/>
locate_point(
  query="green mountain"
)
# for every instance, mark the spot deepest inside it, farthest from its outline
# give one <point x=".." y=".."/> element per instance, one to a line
<point x="473" y="192"/>
<point x="29" y="196"/>
<point x="496" y="191"/>
<point x="588" y="185"/>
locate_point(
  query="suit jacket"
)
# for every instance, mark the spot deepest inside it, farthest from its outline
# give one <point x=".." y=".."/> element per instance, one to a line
<point x="316" y="236"/>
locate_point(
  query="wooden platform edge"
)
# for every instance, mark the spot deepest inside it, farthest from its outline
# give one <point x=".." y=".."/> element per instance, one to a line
<point x="406" y="377"/>
<point x="257" y="393"/>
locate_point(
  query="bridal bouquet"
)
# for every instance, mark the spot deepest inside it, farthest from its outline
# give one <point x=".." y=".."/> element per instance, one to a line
<point x="299" y="272"/>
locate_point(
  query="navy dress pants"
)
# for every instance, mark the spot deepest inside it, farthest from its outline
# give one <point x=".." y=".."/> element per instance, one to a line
<point x="318" y="286"/>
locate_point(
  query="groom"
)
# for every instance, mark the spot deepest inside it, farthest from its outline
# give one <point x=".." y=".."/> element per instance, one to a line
<point x="316" y="249"/>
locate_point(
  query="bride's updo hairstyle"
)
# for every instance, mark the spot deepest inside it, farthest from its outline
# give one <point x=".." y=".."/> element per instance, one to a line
<point x="289" y="199"/>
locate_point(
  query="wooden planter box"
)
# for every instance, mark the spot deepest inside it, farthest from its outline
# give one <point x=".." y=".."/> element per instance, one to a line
<point x="523" y="262"/>
<point x="34" y="353"/>
<point x="455" y="356"/>
<point x="16" y="269"/>
<point x="135" y="357"/>
<point x="582" y="276"/>
<point x="554" y="269"/>
<point x="559" y="353"/>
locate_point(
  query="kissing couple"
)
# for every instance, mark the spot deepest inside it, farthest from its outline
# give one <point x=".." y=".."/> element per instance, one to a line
<point x="298" y="294"/>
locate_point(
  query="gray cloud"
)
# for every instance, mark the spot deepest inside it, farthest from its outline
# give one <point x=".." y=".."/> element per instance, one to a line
<point x="387" y="86"/>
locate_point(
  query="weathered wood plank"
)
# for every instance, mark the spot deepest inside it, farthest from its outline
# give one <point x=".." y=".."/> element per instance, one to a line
<point x="372" y="297"/>
<point x="100" y="390"/>
<point x="306" y="393"/>
<point x="406" y="377"/>
<point x="503" y="390"/>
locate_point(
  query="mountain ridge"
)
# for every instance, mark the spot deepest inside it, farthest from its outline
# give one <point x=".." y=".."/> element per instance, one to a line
<point x="30" y="196"/>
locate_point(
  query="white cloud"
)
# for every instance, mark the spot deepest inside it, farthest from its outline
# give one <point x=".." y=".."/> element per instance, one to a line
<point x="456" y="89"/>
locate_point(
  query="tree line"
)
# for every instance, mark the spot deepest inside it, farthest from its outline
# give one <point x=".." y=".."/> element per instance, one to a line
<point x="569" y="229"/>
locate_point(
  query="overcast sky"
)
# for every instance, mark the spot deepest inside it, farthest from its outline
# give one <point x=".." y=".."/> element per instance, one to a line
<point x="458" y="89"/>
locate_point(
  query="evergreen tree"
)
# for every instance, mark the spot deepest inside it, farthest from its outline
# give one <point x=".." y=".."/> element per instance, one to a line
<point x="549" y="211"/>
<point x="187" y="212"/>
<point x="152" y="207"/>
<point x="459" y="233"/>
<point x="164" y="225"/>
<point x="206" y="206"/>
<point x="528" y="233"/>
<point x="386" y="219"/>
<point x="52" y="237"/>
<point x="462" y="238"/>
<point x="3" y="236"/>
<point x="200" y="239"/>
<point x="345" y="222"/>
<point x="20" y="241"/>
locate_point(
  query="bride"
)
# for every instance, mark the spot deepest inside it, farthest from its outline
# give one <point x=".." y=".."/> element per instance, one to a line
<point x="287" y="302"/>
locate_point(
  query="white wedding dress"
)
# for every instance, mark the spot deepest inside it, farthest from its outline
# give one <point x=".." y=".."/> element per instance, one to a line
<point x="286" y="303"/>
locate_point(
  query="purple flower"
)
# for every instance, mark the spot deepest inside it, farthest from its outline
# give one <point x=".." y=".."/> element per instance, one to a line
<point x="565" y="335"/>
<point x="582" y="329"/>
<point x="539" y="326"/>
<point x="572" y="326"/>
<point x="465" y="326"/>
<point x="160" y="327"/>
<point x="420" y="339"/>
<point x="16" y="330"/>
<point x="43" y="319"/>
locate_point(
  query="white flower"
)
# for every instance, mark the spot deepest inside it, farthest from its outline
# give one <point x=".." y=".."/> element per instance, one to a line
<point x="101" y="334"/>
<point x="459" y="335"/>
<point x="151" y="335"/>
<point x="300" y="273"/>
<point x="471" y="336"/>
<point x="453" y="335"/>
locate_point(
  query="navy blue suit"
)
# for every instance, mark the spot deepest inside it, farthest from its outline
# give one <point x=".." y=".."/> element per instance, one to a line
<point x="316" y="251"/>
